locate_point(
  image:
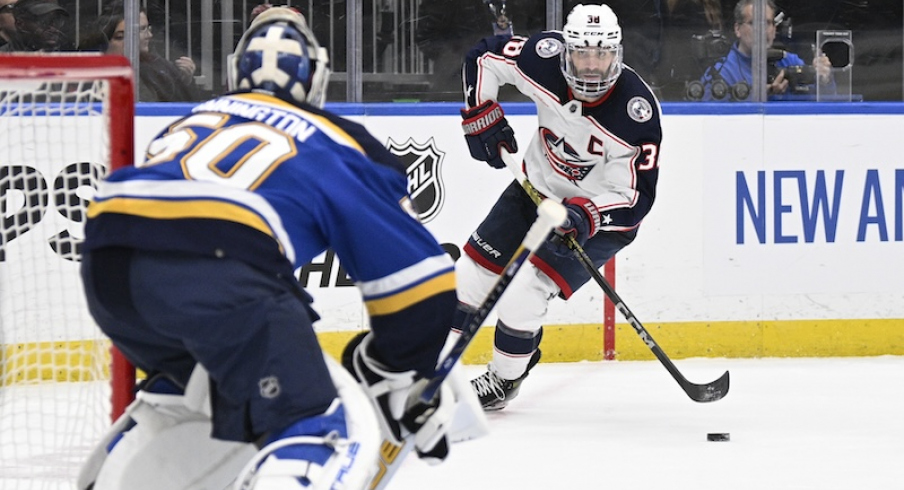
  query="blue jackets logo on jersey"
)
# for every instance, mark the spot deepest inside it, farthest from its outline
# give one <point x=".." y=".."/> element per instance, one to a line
<point x="424" y="168"/>
<point x="640" y="109"/>
<point x="563" y="158"/>
<point x="548" y="47"/>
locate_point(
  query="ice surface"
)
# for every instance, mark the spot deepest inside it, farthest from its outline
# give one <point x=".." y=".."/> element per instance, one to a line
<point x="795" y="424"/>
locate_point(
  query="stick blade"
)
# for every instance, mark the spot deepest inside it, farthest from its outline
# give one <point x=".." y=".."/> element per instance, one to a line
<point x="711" y="392"/>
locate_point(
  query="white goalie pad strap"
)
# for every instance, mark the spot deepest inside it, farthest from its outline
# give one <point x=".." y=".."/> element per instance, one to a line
<point x="265" y="473"/>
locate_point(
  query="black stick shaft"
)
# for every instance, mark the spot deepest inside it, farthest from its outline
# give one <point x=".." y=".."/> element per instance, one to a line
<point x="700" y="393"/>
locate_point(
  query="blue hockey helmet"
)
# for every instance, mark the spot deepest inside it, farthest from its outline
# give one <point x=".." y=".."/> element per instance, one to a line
<point x="279" y="54"/>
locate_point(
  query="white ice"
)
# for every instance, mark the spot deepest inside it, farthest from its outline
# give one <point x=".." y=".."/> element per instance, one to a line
<point x="794" y="424"/>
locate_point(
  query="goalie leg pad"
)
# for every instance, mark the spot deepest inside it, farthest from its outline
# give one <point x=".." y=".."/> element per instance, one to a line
<point x="337" y="449"/>
<point x="164" y="442"/>
<point x="168" y="447"/>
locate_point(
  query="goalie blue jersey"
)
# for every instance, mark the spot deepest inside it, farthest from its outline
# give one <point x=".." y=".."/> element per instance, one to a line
<point x="273" y="184"/>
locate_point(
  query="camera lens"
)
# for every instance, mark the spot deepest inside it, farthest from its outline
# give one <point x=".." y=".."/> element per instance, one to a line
<point x="740" y="91"/>
<point x="695" y="90"/>
<point x="719" y="89"/>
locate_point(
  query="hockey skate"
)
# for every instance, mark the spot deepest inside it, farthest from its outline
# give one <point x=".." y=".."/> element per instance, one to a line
<point x="494" y="392"/>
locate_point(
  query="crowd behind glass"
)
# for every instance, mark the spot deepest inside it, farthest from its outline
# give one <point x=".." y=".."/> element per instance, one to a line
<point x="411" y="50"/>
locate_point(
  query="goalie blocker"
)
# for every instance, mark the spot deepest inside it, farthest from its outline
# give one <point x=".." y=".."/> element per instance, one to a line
<point x="413" y="412"/>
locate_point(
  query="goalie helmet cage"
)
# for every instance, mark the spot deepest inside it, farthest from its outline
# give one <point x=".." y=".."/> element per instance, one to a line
<point x="66" y="120"/>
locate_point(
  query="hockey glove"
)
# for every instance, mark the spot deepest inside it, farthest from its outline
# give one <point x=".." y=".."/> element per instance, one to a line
<point x="486" y="131"/>
<point x="583" y="222"/>
<point x="395" y="396"/>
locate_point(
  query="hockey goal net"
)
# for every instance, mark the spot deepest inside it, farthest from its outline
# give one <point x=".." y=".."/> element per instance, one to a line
<point x="65" y="121"/>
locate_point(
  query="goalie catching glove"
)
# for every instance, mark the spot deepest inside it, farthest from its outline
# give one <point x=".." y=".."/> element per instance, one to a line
<point x="486" y="131"/>
<point x="583" y="222"/>
<point x="395" y="396"/>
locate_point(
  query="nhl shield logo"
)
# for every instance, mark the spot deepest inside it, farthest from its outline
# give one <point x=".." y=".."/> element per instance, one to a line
<point x="424" y="168"/>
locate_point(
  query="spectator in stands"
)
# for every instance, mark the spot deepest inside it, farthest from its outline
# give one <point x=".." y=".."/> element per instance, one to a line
<point x="261" y="7"/>
<point x="161" y="80"/>
<point x="257" y="10"/>
<point x="734" y="72"/>
<point x="40" y="25"/>
<point x="692" y="40"/>
<point x="446" y="29"/>
<point x="7" y="24"/>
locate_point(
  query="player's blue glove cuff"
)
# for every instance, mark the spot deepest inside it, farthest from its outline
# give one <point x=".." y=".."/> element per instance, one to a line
<point x="582" y="222"/>
<point x="486" y="131"/>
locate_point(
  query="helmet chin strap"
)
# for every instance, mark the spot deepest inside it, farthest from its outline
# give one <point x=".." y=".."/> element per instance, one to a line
<point x="584" y="97"/>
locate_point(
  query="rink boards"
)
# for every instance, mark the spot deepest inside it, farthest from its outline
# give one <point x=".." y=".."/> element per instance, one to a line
<point x="777" y="231"/>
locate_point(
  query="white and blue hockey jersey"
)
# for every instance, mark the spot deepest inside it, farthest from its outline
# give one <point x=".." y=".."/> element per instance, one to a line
<point x="606" y="151"/>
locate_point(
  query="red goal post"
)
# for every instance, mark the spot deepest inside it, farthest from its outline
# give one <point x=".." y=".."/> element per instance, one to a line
<point x="66" y="120"/>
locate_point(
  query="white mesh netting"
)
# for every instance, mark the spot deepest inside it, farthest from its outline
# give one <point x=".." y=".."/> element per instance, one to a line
<point x="54" y="393"/>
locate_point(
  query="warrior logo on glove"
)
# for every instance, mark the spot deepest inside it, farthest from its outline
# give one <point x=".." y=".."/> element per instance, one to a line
<point x="486" y="131"/>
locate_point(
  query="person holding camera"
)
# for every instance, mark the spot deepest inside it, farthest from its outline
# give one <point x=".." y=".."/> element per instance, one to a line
<point x="731" y="78"/>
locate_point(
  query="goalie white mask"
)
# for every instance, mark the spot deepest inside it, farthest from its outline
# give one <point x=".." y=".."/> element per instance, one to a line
<point x="279" y="54"/>
<point x="592" y="60"/>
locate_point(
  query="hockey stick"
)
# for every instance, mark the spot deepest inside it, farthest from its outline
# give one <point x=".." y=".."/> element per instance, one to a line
<point x="549" y="215"/>
<point x="708" y="392"/>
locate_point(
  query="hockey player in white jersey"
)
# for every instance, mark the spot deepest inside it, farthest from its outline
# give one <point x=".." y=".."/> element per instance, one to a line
<point x="188" y="267"/>
<point x="596" y="150"/>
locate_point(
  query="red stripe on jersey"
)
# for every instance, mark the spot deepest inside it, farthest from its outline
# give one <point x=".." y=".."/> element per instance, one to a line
<point x="555" y="276"/>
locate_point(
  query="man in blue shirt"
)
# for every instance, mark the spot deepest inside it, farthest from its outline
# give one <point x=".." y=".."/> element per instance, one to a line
<point x="735" y="68"/>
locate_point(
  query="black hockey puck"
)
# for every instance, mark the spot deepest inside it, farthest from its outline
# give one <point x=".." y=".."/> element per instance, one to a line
<point x="718" y="436"/>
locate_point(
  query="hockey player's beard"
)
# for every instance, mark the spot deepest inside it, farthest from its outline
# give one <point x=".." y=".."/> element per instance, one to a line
<point x="591" y="75"/>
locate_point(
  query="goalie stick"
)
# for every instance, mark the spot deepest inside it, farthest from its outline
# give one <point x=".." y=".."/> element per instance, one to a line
<point x="708" y="392"/>
<point x="549" y="215"/>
